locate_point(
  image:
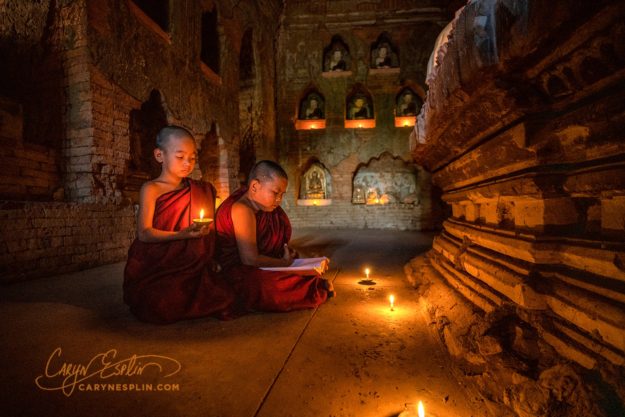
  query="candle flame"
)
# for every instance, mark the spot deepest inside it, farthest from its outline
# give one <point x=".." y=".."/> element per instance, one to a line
<point x="391" y="299"/>
<point x="201" y="214"/>
<point x="420" y="409"/>
<point x="367" y="272"/>
<point x="313" y="126"/>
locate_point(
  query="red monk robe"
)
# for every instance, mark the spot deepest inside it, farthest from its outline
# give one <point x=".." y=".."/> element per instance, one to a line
<point x="169" y="281"/>
<point x="259" y="289"/>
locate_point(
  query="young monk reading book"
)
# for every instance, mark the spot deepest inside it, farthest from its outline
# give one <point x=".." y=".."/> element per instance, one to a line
<point x="253" y="233"/>
<point x="170" y="274"/>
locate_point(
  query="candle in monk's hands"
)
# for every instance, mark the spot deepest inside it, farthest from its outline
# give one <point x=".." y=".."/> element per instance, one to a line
<point x="202" y="221"/>
<point x="391" y="300"/>
<point x="367" y="272"/>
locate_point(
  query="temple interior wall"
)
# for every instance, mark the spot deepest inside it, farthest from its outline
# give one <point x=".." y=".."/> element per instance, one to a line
<point x="308" y="29"/>
<point x="528" y="150"/>
<point x="69" y="152"/>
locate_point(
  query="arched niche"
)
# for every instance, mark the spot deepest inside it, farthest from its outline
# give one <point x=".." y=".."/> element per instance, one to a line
<point x="359" y="112"/>
<point x="145" y="124"/>
<point x="336" y="57"/>
<point x="385" y="180"/>
<point x="384" y="54"/>
<point x="315" y="186"/>
<point x="407" y="106"/>
<point x="311" y="111"/>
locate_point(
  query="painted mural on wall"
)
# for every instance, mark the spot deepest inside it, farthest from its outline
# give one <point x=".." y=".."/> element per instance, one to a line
<point x="312" y="107"/>
<point x="385" y="180"/>
<point x="316" y="183"/>
<point x="336" y="57"/>
<point x="408" y="103"/>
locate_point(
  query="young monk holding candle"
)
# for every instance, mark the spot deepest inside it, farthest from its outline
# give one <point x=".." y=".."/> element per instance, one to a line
<point x="252" y="232"/>
<point x="170" y="274"/>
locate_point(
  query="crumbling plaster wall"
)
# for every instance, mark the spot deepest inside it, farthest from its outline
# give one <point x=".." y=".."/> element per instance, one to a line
<point x="523" y="131"/>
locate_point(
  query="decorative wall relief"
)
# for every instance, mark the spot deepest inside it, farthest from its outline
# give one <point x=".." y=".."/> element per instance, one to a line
<point x="384" y="54"/>
<point x="336" y="57"/>
<point x="385" y="180"/>
<point x="315" y="186"/>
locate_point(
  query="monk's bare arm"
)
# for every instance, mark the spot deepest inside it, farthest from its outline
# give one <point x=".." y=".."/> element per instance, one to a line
<point x="145" y="231"/>
<point x="244" y="221"/>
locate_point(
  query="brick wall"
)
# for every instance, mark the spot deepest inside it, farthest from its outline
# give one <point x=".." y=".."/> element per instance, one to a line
<point x="40" y="237"/>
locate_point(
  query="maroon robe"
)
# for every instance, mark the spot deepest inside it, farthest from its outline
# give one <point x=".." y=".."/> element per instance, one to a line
<point x="259" y="289"/>
<point x="169" y="281"/>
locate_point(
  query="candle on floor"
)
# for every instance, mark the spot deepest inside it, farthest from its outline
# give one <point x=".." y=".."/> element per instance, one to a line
<point x="367" y="270"/>
<point x="202" y="221"/>
<point x="391" y="300"/>
<point x="412" y="410"/>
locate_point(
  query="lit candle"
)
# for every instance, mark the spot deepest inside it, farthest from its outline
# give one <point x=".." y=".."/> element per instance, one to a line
<point x="367" y="272"/>
<point x="420" y="410"/>
<point x="313" y="126"/>
<point x="202" y="221"/>
<point x="391" y="299"/>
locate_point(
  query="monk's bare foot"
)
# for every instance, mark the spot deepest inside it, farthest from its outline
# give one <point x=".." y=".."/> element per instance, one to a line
<point x="329" y="287"/>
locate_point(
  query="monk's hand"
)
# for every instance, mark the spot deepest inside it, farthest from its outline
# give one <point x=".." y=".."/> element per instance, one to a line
<point x="288" y="255"/>
<point x="194" y="232"/>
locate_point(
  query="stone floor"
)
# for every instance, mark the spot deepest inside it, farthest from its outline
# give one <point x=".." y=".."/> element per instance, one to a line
<point x="350" y="357"/>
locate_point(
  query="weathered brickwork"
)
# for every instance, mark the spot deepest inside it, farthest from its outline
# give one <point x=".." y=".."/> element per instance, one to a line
<point x="61" y="237"/>
<point x="76" y="72"/>
<point x="528" y="149"/>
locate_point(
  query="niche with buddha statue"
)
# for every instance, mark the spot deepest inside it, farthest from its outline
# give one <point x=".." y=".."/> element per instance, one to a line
<point x="407" y="106"/>
<point x="384" y="56"/>
<point x="336" y="58"/>
<point x="359" y="109"/>
<point x="385" y="180"/>
<point x="315" y="186"/>
<point x="311" y="111"/>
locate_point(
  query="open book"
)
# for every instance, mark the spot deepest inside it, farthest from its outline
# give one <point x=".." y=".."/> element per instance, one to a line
<point x="304" y="266"/>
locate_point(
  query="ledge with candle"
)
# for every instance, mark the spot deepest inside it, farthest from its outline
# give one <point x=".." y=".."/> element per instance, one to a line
<point x="201" y="221"/>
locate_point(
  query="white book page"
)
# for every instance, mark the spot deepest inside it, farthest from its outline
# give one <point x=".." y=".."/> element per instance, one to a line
<point x="303" y="264"/>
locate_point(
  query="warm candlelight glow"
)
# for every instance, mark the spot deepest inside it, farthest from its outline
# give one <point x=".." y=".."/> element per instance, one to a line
<point x="405" y="121"/>
<point x="391" y="300"/>
<point x="310" y="124"/>
<point x="420" y="409"/>
<point x="201" y="214"/>
<point x="367" y="272"/>
<point x="315" y="203"/>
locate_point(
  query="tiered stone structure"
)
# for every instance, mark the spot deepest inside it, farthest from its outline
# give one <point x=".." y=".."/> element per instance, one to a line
<point x="75" y="72"/>
<point x="523" y="131"/>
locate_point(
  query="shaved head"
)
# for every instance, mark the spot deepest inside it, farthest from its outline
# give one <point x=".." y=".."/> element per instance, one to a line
<point x="171" y="132"/>
<point x="266" y="171"/>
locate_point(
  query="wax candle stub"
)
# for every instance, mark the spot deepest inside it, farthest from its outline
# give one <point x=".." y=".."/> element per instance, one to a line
<point x="201" y="214"/>
<point x="391" y="300"/>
